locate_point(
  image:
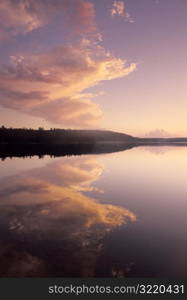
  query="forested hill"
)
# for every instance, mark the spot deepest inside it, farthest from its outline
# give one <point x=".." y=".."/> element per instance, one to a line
<point x="60" y="136"/>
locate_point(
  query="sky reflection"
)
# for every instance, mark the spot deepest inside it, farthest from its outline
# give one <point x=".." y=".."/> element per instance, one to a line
<point x="46" y="216"/>
<point x="118" y="214"/>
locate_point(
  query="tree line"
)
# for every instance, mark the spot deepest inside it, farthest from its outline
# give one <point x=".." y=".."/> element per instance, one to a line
<point x="58" y="136"/>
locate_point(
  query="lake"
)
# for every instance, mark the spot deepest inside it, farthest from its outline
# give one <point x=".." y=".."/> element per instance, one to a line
<point x="121" y="214"/>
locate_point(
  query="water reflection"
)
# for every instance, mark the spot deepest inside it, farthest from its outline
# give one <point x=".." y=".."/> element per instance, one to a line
<point x="50" y="226"/>
<point x="122" y="214"/>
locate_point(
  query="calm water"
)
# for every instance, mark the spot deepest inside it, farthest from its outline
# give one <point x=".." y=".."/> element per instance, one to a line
<point x="119" y="214"/>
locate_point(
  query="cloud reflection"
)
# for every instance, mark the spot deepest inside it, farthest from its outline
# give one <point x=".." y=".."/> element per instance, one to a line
<point x="49" y="219"/>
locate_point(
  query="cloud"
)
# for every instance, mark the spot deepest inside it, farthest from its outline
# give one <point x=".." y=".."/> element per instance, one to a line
<point x="61" y="195"/>
<point x="23" y="16"/>
<point x="46" y="207"/>
<point x="81" y="15"/>
<point x="119" y="9"/>
<point x="61" y="198"/>
<point x="19" y="263"/>
<point x="52" y="85"/>
<point x="158" y="133"/>
<point x="78" y="174"/>
<point x="70" y="112"/>
<point x="13" y="99"/>
<point x="27" y="186"/>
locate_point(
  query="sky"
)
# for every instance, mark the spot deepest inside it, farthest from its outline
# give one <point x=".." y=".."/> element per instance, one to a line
<point x="94" y="64"/>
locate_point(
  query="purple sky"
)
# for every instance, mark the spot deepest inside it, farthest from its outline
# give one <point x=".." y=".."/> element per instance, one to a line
<point x="108" y="64"/>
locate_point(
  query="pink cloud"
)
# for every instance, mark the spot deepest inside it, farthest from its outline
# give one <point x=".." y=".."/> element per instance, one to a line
<point x="82" y="16"/>
<point x="119" y="9"/>
<point x="23" y="16"/>
<point x="70" y="112"/>
<point x="52" y="85"/>
<point x="156" y="133"/>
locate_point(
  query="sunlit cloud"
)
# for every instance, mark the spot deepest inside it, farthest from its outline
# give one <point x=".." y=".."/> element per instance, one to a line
<point x="119" y="9"/>
<point x="51" y="85"/>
